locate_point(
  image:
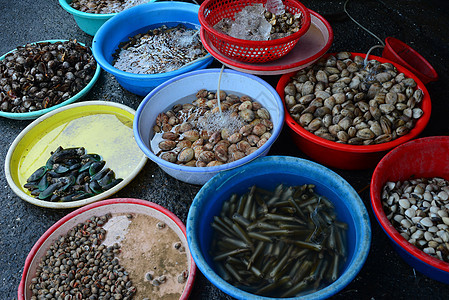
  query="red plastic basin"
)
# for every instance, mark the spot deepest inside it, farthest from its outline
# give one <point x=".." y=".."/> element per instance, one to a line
<point x="401" y="53"/>
<point x="118" y="206"/>
<point x="425" y="157"/>
<point x="344" y="156"/>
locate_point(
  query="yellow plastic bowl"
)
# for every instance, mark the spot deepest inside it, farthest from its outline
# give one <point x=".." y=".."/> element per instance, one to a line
<point x="101" y="127"/>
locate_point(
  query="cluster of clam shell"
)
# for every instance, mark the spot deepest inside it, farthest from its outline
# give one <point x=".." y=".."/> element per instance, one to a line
<point x="78" y="266"/>
<point x="419" y="210"/>
<point x="104" y="6"/>
<point x="256" y="23"/>
<point x="342" y="100"/>
<point x="283" y="24"/>
<point x="40" y="75"/>
<point x="197" y="134"/>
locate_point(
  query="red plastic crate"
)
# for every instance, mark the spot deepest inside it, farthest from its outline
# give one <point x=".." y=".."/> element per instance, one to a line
<point x="212" y="11"/>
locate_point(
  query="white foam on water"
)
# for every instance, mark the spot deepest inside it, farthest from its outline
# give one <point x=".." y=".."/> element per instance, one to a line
<point x="217" y="122"/>
<point x="117" y="228"/>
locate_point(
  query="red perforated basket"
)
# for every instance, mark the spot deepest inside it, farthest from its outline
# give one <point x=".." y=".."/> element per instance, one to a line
<point x="212" y="11"/>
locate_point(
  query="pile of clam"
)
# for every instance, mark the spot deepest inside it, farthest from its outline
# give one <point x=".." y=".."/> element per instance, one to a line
<point x="342" y="100"/>
<point x="283" y="24"/>
<point x="197" y="134"/>
<point x="41" y="75"/>
<point x="104" y="6"/>
<point x="78" y="266"/>
<point x="256" y="23"/>
<point x="419" y="210"/>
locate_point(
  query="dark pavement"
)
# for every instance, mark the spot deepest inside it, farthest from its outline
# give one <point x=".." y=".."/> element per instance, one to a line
<point x="422" y="24"/>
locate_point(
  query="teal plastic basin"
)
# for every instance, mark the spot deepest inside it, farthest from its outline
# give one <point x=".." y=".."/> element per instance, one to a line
<point x="36" y="114"/>
<point x="87" y="22"/>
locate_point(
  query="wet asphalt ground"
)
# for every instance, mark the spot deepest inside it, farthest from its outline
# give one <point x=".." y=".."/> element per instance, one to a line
<point x="424" y="25"/>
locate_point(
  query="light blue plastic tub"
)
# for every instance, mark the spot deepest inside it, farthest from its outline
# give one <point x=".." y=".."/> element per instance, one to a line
<point x="268" y="172"/>
<point x="88" y="22"/>
<point x="138" y="20"/>
<point x="35" y="114"/>
<point x="182" y="89"/>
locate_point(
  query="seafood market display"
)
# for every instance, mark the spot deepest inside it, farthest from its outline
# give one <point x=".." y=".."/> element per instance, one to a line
<point x="256" y="23"/>
<point x="162" y="49"/>
<point x="78" y="266"/>
<point x="71" y="174"/>
<point x="280" y="243"/>
<point x="276" y="241"/>
<point x="419" y="210"/>
<point x="40" y="75"/>
<point x="104" y="6"/>
<point x="342" y="100"/>
<point x="204" y="134"/>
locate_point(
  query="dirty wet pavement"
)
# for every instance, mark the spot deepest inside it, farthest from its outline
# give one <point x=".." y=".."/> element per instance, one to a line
<point x="424" y="25"/>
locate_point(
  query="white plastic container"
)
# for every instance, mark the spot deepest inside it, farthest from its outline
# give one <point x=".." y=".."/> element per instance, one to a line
<point x="182" y="89"/>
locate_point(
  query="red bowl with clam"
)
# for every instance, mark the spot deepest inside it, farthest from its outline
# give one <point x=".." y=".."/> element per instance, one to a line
<point x="348" y="156"/>
<point x="145" y="247"/>
<point x="421" y="158"/>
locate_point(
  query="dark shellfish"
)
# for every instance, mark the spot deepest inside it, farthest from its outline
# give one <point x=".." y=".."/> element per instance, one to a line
<point x="38" y="174"/>
<point x="71" y="174"/>
<point x="40" y="75"/>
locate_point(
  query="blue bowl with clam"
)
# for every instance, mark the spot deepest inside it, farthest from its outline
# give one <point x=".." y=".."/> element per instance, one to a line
<point x="266" y="198"/>
<point x="139" y="20"/>
<point x="182" y="90"/>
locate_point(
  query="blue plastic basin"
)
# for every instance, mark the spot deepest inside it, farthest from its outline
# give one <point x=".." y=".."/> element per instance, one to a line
<point x="268" y="172"/>
<point x="185" y="86"/>
<point x="138" y="20"/>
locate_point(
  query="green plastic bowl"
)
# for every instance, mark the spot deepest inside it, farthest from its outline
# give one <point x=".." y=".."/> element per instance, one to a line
<point x="35" y="114"/>
<point x="88" y="22"/>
